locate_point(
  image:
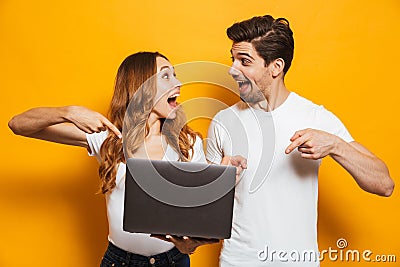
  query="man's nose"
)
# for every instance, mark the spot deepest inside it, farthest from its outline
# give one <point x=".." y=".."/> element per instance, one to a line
<point x="233" y="71"/>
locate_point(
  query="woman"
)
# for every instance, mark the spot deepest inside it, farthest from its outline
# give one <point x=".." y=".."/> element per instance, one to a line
<point x="145" y="89"/>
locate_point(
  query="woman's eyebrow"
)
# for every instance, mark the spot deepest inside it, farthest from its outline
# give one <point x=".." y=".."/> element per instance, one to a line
<point x="166" y="67"/>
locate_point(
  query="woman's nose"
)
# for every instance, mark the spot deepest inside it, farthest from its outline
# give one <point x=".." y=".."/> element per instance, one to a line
<point x="177" y="83"/>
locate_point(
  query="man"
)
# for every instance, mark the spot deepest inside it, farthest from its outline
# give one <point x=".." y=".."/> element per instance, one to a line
<point x="284" y="137"/>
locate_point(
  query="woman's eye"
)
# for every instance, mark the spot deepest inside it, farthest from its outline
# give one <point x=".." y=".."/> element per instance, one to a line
<point x="165" y="76"/>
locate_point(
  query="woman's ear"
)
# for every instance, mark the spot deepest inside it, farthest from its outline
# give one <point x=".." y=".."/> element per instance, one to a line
<point x="277" y="67"/>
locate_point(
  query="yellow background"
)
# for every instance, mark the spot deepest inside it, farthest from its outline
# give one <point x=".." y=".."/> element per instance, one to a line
<point x="67" y="52"/>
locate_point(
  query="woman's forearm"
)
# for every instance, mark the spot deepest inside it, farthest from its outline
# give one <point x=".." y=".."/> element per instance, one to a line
<point x="36" y="119"/>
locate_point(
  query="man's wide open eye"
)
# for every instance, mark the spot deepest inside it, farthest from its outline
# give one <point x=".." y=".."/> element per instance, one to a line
<point x="245" y="61"/>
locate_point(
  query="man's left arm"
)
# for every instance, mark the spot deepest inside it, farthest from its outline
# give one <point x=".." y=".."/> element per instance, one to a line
<point x="370" y="172"/>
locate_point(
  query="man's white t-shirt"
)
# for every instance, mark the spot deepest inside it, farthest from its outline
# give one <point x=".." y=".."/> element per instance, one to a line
<point x="275" y="208"/>
<point x="137" y="243"/>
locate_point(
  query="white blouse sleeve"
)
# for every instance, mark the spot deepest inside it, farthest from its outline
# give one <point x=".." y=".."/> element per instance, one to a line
<point x="95" y="140"/>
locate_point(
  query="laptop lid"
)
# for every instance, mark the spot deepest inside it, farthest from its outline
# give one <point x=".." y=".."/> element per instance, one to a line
<point x="179" y="198"/>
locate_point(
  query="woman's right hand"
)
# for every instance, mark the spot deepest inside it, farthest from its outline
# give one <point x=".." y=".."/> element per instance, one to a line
<point x="89" y="121"/>
<point x="49" y="123"/>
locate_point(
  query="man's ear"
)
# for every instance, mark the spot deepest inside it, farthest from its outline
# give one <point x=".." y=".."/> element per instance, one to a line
<point x="277" y="67"/>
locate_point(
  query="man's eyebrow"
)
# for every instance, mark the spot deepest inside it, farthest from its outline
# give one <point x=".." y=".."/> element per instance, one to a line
<point x="243" y="54"/>
<point x="247" y="55"/>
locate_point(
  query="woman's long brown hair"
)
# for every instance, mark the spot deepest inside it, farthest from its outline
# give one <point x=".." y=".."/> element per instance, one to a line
<point x="134" y="95"/>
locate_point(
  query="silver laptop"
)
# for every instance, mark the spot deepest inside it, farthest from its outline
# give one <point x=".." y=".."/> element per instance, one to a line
<point x="179" y="198"/>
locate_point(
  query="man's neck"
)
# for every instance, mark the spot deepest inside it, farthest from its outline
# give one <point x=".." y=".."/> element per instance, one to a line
<point x="275" y="96"/>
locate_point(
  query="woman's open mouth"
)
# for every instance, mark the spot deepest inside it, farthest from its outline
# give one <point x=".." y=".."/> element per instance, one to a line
<point x="172" y="100"/>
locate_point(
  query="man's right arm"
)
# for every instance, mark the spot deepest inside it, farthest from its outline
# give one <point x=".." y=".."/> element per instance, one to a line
<point x="215" y="152"/>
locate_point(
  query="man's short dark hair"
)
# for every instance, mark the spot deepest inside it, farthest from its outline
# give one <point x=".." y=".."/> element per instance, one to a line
<point x="271" y="38"/>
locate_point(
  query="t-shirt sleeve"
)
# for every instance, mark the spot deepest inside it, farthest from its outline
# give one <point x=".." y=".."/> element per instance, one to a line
<point x="95" y="140"/>
<point x="330" y="123"/>
<point x="198" y="151"/>
<point x="214" y="142"/>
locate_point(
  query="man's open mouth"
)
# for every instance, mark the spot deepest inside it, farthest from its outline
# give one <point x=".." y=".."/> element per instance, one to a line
<point x="243" y="85"/>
